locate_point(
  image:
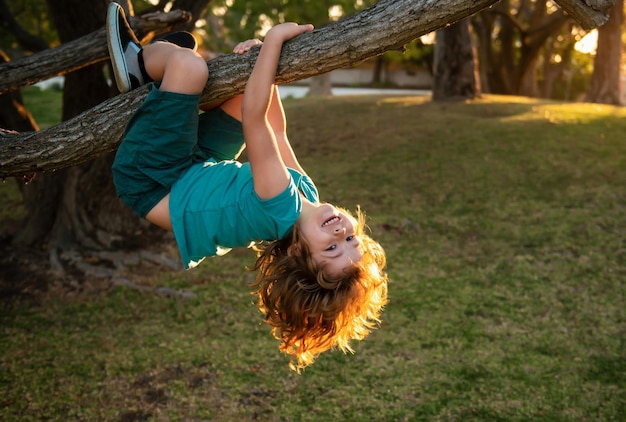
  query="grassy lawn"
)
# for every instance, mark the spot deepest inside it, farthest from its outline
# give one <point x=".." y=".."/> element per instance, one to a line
<point x="504" y="222"/>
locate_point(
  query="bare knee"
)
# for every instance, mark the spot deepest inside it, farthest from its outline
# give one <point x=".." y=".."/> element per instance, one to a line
<point x="185" y="72"/>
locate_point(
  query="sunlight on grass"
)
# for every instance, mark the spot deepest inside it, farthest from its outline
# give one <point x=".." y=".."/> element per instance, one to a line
<point x="504" y="221"/>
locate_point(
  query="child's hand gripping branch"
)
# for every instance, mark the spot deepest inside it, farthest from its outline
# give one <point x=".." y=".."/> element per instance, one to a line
<point x="320" y="278"/>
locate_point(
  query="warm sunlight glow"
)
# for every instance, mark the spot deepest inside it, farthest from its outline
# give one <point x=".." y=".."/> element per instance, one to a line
<point x="589" y="43"/>
<point x="266" y="24"/>
<point x="428" y="38"/>
<point x="220" y="10"/>
<point x="335" y="12"/>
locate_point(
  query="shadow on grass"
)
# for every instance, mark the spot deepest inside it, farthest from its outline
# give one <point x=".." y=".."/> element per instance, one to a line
<point x="608" y="370"/>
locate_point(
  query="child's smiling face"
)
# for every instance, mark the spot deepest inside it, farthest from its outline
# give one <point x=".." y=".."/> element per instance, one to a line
<point x="332" y="237"/>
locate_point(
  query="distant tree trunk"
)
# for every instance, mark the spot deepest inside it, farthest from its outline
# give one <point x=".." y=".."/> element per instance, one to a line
<point x="605" y="80"/>
<point x="454" y="68"/>
<point x="320" y="85"/>
<point x="555" y="71"/>
<point x="379" y="67"/>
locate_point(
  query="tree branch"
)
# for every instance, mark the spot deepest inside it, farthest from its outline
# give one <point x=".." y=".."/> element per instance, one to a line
<point x="588" y="13"/>
<point x="387" y="25"/>
<point x="79" y="53"/>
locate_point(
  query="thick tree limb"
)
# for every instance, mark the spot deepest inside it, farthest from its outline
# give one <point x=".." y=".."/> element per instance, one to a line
<point x="387" y="25"/>
<point x="79" y="53"/>
<point x="588" y="13"/>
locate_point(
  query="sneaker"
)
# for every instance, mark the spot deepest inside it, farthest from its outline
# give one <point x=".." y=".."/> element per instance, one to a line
<point x="124" y="50"/>
<point x="182" y="39"/>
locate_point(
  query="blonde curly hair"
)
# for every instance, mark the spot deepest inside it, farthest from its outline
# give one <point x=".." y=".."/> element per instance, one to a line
<point x="311" y="311"/>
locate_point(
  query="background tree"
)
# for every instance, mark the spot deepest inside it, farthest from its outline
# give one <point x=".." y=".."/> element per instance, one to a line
<point x="77" y="208"/>
<point x="605" y="84"/>
<point x="15" y="37"/>
<point x="455" y="65"/>
<point x="511" y="36"/>
<point x="82" y="214"/>
<point x="60" y="208"/>
<point x="240" y="20"/>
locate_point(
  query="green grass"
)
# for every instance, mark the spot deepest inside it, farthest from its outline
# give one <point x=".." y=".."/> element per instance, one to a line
<point x="44" y="104"/>
<point x="504" y="221"/>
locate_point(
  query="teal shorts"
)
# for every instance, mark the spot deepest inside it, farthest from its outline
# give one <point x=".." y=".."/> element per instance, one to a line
<point x="163" y="138"/>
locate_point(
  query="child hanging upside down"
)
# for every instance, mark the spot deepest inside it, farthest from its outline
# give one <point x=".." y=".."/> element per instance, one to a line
<point x="320" y="278"/>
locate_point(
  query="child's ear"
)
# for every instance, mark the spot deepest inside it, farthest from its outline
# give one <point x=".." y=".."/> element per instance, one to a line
<point x="293" y="250"/>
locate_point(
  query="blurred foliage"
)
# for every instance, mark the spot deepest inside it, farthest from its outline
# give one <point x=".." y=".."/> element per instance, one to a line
<point x="575" y="81"/>
<point x="32" y="15"/>
<point x="240" y="20"/>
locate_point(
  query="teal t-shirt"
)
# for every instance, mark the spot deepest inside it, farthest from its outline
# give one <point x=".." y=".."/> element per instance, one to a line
<point x="214" y="208"/>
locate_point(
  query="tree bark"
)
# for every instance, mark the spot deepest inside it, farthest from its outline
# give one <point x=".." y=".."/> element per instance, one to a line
<point x="605" y="84"/>
<point x="454" y="68"/>
<point x="588" y="13"/>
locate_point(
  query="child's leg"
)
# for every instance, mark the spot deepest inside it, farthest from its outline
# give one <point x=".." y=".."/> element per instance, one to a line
<point x="178" y="69"/>
<point x="161" y="137"/>
<point x="181" y="70"/>
<point x="220" y="134"/>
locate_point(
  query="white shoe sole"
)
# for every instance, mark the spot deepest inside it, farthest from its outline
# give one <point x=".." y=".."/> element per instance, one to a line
<point x="116" y="49"/>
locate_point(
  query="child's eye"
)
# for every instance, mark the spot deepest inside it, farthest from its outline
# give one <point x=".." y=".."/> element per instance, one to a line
<point x="331" y="248"/>
<point x="351" y="237"/>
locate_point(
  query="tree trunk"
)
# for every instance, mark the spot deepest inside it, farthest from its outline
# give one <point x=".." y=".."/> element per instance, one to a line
<point x="377" y="73"/>
<point x="320" y="86"/>
<point x="605" y="81"/>
<point x="76" y="208"/>
<point x="482" y="23"/>
<point x="555" y="71"/>
<point x="454" y="68"/>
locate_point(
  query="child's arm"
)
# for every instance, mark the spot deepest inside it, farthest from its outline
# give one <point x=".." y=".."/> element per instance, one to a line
<point x="276" y="118"/>
<point x="268" y="169"/>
